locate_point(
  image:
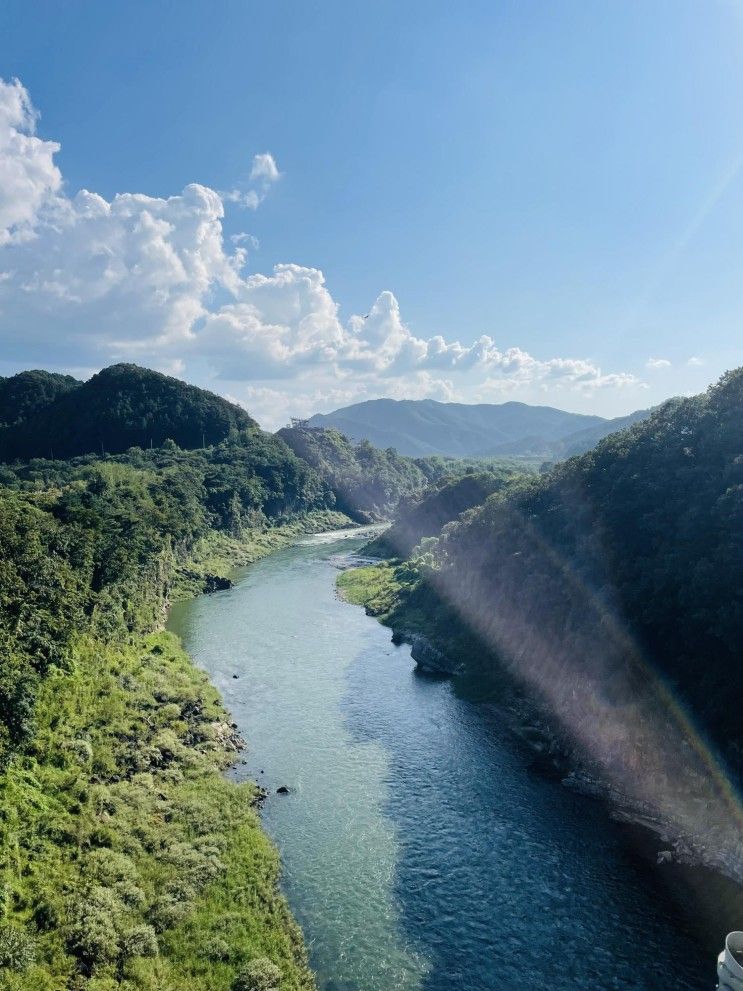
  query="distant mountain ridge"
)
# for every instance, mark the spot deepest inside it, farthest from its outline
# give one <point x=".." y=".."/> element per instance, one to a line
<point x="425" y="427"/>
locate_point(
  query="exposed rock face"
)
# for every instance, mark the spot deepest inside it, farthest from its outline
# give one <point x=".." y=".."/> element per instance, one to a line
<point x="429" y="658"/>
<point x="227" y="737"/>
<point x="216" y="583"/>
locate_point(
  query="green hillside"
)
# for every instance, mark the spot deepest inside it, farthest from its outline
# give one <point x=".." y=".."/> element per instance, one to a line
<point x="122" y="406"/>
<point x="126" y="860"/>
<point x="24" y="394"/>
<point x="368" y="482"/>
<point x="629" y="554"/>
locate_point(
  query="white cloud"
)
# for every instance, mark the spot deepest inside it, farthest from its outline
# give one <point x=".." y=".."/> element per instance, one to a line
<point x="264" y="173"/>
<point x="695" y="361"/>
<point x="85" y="281"/>
<point x="655" y="364"/>
<point x="28" y="175"/>
<point x="265" y="168"/>
<point x="110" y="279"/>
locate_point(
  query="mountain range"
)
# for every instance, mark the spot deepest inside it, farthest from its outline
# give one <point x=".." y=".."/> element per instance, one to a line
<point x="424" y="427"/>
<point x="43" y="414"/>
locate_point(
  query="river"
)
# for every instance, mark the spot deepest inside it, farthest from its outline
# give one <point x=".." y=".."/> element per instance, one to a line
<point x="420" y="852"/>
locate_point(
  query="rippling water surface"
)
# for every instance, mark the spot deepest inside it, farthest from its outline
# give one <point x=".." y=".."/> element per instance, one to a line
<point x="418" y="850"/>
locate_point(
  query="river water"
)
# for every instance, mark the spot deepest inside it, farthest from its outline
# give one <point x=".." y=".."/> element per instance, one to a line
<point x="420" y="853"/>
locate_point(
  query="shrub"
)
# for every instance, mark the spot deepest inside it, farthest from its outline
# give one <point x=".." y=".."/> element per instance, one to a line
<point x="259" y="975"/>
<point x="180" y="891"/>
<point x="198" y="868"/>
<point x="167" y="913"/>
<point x="17" y="949"/>
<point x="117" y="872"/>
<point x="81" y="751"/>
<point x="93" y="935"/>
<point x="217" y="949"/>
<point x="140" y="941"/>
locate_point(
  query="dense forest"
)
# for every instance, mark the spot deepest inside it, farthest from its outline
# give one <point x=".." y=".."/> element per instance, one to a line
<point x="127" y="861"/>
<point x="122" y="406"/>
<point x="426" y="513"/>
<point x="26" y="393"/>
<point x="368" y="482"/>
<point x="611" y="587"/>
<point x="125" y="855"/>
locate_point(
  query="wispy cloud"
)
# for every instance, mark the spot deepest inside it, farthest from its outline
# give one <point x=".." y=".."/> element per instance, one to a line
<point x="654" y="364"/>
<point x="264" y="173"/>
<point x="265" y="168"/>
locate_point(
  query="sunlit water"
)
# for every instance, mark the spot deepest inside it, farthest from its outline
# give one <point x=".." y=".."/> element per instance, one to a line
<point x="419" y="851"/>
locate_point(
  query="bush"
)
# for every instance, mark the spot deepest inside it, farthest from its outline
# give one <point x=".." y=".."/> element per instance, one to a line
<point x="116" y="872"/>
<point x="93" y="936"/>
<point x="140" y="941"/>
<point x="81" y="751"/>
<point x="217" y="949"/>
<point x="259" y="975"/>
<point x="17" y="949"/>
<point x="166" y="913"/>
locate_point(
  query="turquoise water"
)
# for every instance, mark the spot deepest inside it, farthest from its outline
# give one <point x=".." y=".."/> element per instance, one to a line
<point x="420" y="853"/>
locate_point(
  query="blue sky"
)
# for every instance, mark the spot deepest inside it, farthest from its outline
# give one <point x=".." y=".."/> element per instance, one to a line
<point x="561" y="180"/>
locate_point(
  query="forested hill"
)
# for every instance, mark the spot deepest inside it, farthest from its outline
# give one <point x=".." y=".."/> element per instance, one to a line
<point x="368" y="482"/>
<point x="423" y="427"/>
<point x="122" y="406"/>
<point x="126" y="859"/>
<point x="629" y="554"/>
<point x="426" y="513"/>
<point x="26" y="393"/>
<point x="584" y="440"/>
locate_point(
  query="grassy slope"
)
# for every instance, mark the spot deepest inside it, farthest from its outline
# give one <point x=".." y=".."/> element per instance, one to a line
<point x="120" y="819"/>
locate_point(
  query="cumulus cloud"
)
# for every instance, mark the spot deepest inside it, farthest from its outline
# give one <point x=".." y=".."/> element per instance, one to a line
<point x="104" y="279"/>
<point x="654" y="364"/>
<point x="695" y="361"/>
<point x="28" y="175"/>
<point x="85" y="281"/>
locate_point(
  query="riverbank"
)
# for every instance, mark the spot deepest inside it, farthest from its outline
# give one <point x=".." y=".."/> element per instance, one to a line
<point x="132" y="862"/>
<point x="394" y="594"/>
<point x="214" y="557"/>
<point x="138" y="863"/>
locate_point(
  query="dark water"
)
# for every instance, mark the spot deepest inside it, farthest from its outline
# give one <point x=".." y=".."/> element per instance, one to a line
<point x="419" y="851"/>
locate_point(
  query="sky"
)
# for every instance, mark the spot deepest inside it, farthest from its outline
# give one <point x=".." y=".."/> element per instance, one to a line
<point x="304" y="205"/>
